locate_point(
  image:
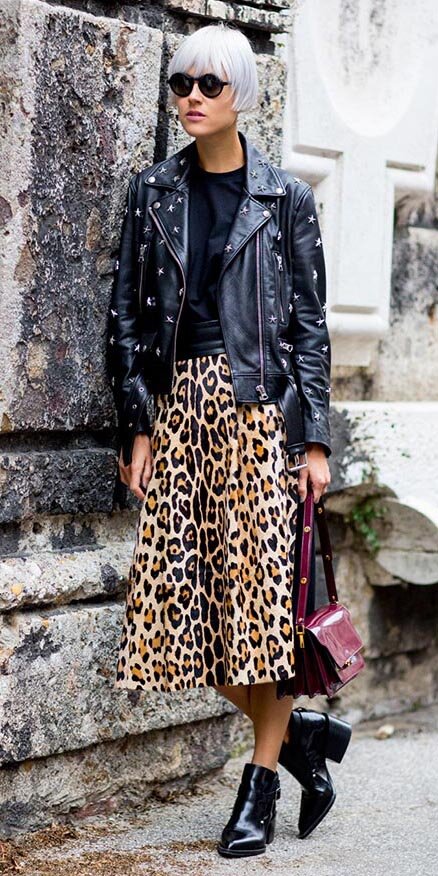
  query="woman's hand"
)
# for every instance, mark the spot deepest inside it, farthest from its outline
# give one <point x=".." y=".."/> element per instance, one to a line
<point x="317" y="471"/>
<point x="138" y="473"/>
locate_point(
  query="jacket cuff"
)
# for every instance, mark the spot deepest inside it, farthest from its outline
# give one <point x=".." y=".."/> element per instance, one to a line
<point x="317" y="440"/>
<point x="134" y="418"/>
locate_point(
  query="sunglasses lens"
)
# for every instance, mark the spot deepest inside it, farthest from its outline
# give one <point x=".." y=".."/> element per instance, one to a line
<point x="180" y="84"/>
<point x="210" y="85"/>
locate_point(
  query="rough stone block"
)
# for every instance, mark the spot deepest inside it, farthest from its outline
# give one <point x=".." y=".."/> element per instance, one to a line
<point x="270" y="16"/>
<point x="57" y="672"/>
<point x="89" y="85"/>
<point x="59" y="578"/>
<point x="408" y="354"/>
<point x="120" y="774"/>
<point x="63" y="481"/>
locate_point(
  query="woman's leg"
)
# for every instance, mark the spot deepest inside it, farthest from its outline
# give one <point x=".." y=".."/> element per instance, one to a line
<point x="238" y="694"/>
<point x="269" y="715"/>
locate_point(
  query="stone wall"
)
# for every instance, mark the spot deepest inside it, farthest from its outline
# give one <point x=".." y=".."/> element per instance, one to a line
<point x="84" y="105"/>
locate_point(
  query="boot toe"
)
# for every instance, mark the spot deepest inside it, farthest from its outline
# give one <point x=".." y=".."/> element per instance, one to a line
<point x="314" y="807"/>
<point x="235" y="843"/>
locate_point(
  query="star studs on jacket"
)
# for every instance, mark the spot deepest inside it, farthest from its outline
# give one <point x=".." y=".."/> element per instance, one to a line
<point x="311" y="219"/>
<point x="318" y="242"/>
<point x="324" y="348"/>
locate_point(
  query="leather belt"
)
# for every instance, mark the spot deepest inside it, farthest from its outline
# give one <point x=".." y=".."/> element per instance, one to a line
<point x="201" y="339"/>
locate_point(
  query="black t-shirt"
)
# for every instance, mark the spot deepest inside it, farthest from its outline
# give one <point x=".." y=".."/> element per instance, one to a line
<point x="214" y="198"/>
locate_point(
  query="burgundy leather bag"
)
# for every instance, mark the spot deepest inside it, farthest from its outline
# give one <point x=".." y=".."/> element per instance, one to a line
<point x="327" y="644"/>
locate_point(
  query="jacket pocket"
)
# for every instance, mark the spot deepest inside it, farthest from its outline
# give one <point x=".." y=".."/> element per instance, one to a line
<point x="279" y="284"/>
<point x="142" y="266"/>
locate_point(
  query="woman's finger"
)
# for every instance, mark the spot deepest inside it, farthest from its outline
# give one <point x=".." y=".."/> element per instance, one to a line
<point x="302" y="483"/>
<point x="147" y="472"/>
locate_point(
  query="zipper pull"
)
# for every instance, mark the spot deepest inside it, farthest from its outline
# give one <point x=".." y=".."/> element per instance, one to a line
<point x="142" y="249"/>
<point x="262" y="391"/>
<point x="280" y="261"/>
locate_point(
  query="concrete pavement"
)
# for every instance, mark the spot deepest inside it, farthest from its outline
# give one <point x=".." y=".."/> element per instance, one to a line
<point x="384" y="821"/>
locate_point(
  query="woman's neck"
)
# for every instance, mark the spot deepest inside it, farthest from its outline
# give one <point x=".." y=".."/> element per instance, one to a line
<point x="220" y="152"/>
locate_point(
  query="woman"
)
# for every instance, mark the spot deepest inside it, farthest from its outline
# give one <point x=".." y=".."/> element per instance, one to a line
<point x="218" y="312"/>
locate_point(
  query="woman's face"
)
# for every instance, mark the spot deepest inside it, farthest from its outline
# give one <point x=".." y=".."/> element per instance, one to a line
<point x="210" y="114"/>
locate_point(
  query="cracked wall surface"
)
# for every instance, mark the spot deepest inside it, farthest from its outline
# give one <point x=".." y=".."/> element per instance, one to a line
<point x="83" y="106"/>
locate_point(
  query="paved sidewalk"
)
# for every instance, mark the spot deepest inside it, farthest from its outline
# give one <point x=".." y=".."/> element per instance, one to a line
<point x="383" y="823"/>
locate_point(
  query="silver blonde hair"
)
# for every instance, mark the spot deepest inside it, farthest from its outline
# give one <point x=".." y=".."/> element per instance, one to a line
<point x="225" y="51"/>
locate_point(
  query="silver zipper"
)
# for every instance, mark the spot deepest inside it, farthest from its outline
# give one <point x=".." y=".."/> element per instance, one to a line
<point x="170" y="247"/>
<point x="279" y="259"/>
<point x="261" y="389"/>
<point x="140" y="282"/>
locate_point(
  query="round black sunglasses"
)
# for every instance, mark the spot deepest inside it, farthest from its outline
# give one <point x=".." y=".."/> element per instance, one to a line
<point x="209" y="84"/>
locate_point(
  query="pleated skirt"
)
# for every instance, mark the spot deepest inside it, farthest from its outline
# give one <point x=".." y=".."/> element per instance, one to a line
<point x="209" y="595"/>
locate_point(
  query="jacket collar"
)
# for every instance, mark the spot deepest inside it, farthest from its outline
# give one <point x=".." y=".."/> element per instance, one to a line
<point x="261" y="177"/>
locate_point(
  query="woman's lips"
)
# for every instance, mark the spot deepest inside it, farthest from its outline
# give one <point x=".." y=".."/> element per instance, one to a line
<point x="195" y="115"/>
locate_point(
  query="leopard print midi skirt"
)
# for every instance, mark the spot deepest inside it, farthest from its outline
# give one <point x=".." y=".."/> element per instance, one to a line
<point x="209" y="596"/>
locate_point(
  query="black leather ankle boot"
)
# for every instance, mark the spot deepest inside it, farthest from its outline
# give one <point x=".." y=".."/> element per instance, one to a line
<point x="313" y="737"/>
<point x="252" y="822"/>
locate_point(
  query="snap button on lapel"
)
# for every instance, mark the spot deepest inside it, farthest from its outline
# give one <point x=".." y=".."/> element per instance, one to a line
<point x="156" y="204"/>
<point x="279" y="190"/>
<point x="151" y="179"/>
<point x="266" y="213"/>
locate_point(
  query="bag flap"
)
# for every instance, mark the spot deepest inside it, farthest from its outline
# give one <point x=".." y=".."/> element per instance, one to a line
<point x="332" y="626"/>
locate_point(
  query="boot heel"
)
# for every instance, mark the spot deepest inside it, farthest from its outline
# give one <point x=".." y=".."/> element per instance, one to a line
<point x="338" y="737"/>
<point x="271" y="831"/>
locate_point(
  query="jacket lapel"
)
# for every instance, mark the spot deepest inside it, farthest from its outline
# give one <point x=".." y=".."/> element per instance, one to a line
<point x="171" y="209"/>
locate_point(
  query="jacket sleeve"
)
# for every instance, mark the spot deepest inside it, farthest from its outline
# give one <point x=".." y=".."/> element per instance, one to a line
<point x="124" y="359"/>
<point x="311" y="354"/>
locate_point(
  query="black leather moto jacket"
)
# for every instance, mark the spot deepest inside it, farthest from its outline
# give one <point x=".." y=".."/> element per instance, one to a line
<point x="271" y="297"/>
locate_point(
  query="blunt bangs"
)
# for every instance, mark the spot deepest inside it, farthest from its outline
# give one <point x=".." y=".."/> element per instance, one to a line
<point x="225" y="51"/>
